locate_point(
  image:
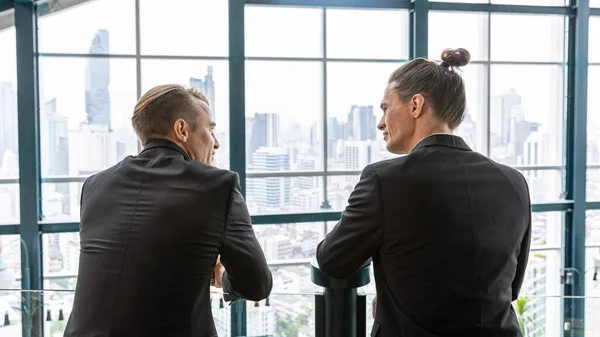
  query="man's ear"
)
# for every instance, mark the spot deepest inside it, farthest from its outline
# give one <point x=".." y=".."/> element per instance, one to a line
<point x="181" y="130"/>
<point x="417" y="104"/>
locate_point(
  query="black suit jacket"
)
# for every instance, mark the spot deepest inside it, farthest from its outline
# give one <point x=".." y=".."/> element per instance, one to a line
<point x="448" y="231"/>
<point x="152" y="227"/>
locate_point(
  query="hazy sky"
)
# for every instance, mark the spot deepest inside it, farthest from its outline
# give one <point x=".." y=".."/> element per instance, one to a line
<point x="294" y="89"/>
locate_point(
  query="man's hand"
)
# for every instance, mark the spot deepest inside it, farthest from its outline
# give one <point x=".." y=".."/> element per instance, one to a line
<point x="216" y="279"/>
<point x="374" y="306"/>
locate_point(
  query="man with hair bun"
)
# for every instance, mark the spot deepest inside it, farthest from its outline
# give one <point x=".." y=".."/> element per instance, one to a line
<point x="447" y="229"/>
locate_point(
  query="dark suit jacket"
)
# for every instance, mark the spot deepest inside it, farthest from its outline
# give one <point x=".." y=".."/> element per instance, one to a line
<point x="152" y="227"/>
<point x="448" y="231"/>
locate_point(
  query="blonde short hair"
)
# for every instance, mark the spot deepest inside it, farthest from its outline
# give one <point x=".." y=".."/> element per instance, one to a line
<point x="161" y="106"/>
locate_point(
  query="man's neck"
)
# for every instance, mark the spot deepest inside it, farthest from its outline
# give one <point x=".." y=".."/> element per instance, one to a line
<point x="418" y="137"/>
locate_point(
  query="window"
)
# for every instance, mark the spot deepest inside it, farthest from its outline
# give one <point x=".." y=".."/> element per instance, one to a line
<point x="89" y="85"/>
<point x="515" y="2"/>
<point x="9" y="140"/>
<point x="187" y="27"/>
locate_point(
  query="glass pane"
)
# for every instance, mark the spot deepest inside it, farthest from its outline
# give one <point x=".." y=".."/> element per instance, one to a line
<point x="187" y="27"/>
<point x="547" y="229"/>
<point x="542" y="279"/>
<point x="592" y="290"/>
<point x="532" y="2"/>
<point x="339" y="189"/>
<point x="85" y="123"/>
<point x="282" y="194"/>
<point x="9" y="198"/>
<point x="210" y="77"/>
<point x="283" y="122"/>
<point x="61" y="262"/>
<point x="592" y="224"/>
<point x="10" y="262"/>
<point x="593" y="122"/>
<point x="473" y="128"/>
<point x="595" y="3"/>
<point x="9" y="140"/>
<point x="545" y="185"/>
<point x="542" y="41"/>
<point x="353" y="112"/>
<point x="456" y="29"/>
<point x="372" y="34"/>
<point x="527" y="114"/>
<point x="286" y="315"/>
<point x="593" y="184"/>
<point x="283" y="31"/>
<point x="290" y="243"/>
<point x="103" y="27"/>
<point x="594" y="37"/>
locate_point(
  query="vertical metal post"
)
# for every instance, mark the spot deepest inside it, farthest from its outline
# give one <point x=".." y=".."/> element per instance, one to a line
<point x="237" y="98"/>
<point x="325" y="204"/>
<point x="29" y="162"/>
<point x="237" y="126"/>
<point x="574" y="309"/>
<point x="419" y="16"/>
<point x="320" y="315"/>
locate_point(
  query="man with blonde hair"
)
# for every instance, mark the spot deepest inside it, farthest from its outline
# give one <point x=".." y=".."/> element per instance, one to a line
<point x="159" y="228"/>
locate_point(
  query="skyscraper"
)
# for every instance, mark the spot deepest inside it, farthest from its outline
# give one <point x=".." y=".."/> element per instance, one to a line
<point x="272" y="192"/>
<point x="207" y="87"/>
<point x="8" y="120"/>
<point x="97" y="80"/>
<point x="265" y="132"/>
<point x="362" y="123"/>
<point x="502" y="109"/>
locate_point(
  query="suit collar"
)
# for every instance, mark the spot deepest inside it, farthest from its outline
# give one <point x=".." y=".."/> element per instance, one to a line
<point x="155" y="143"/>
<point x="442" y="139"/>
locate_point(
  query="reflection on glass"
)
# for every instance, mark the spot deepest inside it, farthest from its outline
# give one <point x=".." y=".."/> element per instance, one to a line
<point x="95" y="20"/>
<point x="284" y="109"/>
<point x="354" y="92"/>
<point x="370" y="34"/>
<point x="593" y="184"/>
<point x="457" y="29"/>
<point x="593" y="120"/>
<point x="283" y="31"/>
<point x="542" y="41"/>
<point x="184" y="27"/>
<point x="209" y="77"/>
<point x="527" y="114"/>
<point x="282" y="194"/>
<point x="286" y="315"/>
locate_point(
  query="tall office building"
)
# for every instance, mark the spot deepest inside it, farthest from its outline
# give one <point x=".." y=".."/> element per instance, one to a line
<point x="502" y="108"/>
<point x="272" y="192"/>
<point x="8" y="120"/>
<point x="362" y="123"/>
<point x="207" y="87"/>
<point x="264" y="132"/>
<point x="97" y="81"/>
<point x="54" y="145"/>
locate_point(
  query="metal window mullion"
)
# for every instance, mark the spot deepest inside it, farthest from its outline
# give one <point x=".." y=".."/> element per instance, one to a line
<point x="138" y="60"/>
<point x="325" y="204"/>
<point x="237" y="127"/>
<point x="29" y="164"/>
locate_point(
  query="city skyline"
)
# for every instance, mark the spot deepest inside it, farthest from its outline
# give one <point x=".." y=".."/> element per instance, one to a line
<point x="86" y="104"/>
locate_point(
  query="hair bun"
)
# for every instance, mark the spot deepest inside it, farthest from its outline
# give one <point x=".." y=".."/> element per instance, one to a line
<point x="455" y="57"/>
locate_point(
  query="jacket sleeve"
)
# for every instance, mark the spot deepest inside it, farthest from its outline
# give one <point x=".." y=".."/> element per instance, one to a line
<point x="247" y="274"/>
<point x="523" y="257"/>
<point x="357" y="236"/>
